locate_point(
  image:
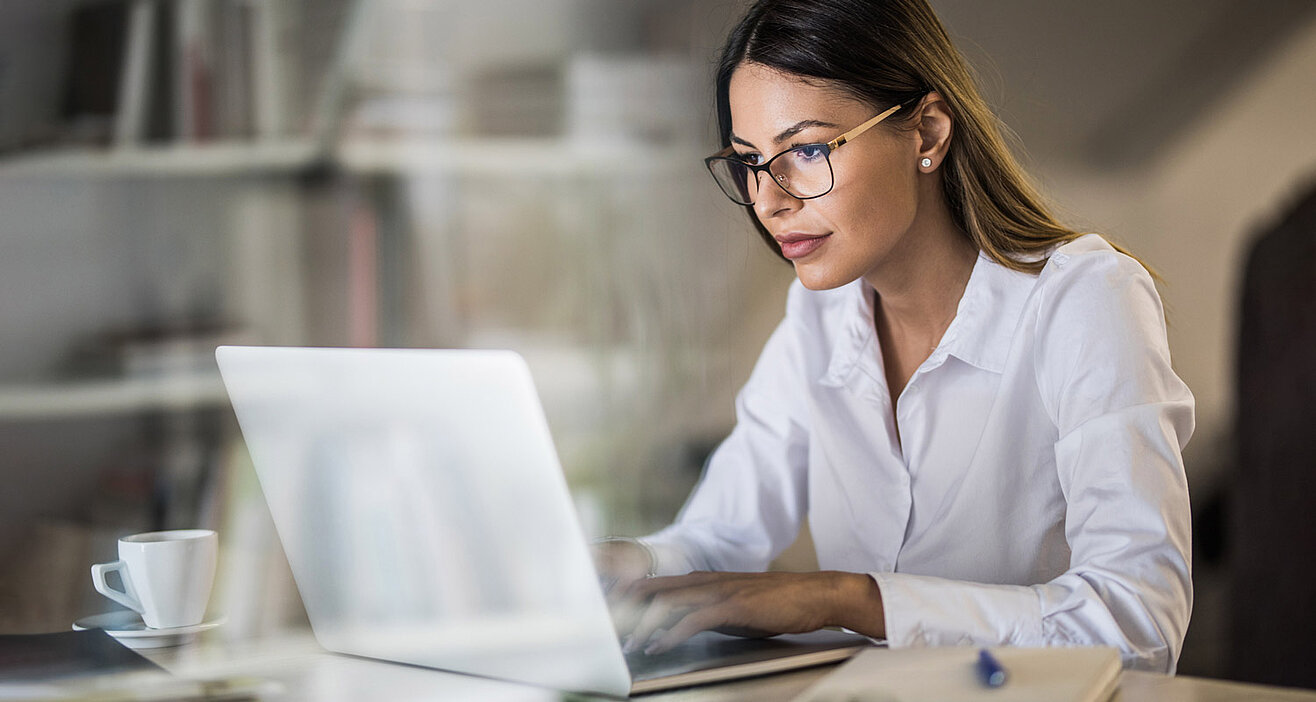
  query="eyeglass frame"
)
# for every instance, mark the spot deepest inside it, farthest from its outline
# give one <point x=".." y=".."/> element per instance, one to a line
<point x="828" y="148"/>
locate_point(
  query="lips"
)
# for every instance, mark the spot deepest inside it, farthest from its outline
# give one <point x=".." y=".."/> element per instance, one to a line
<point x="796" y="245"/>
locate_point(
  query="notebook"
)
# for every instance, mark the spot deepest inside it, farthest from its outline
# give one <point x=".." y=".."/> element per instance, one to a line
<point x="949" y="674"/>
<point x="426" y="519"/>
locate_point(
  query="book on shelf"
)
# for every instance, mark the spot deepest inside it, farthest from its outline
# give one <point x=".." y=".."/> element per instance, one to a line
<point x="194" y="70"/>
<point x="148" y="73"/>
<point x="135" y="75"/>
<point x="96" y="44"/>
<point x="201" y="70"/>
<point x="233" y="66"/>
<point x="143" y="113"/>
<point x="273" y="76"/>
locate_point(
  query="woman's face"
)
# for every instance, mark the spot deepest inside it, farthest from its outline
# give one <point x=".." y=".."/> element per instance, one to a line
<point x="853" y="230"/>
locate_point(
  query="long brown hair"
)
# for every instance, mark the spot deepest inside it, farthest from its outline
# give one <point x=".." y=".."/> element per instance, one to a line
<point x="886" y="52"/>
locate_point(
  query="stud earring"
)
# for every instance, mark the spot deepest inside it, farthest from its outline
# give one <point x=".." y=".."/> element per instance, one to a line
<point x="925" y="162"/>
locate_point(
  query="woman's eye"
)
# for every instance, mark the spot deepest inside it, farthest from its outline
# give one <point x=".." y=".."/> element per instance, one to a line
<point x="751" y="159"/>
<point x="810" y="152"/>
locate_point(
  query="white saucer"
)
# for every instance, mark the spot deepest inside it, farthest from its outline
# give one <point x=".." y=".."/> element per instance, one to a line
<point x="132" y="632"/>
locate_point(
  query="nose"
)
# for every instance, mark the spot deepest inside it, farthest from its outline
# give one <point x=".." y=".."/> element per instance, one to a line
<point x="771" y="200"/>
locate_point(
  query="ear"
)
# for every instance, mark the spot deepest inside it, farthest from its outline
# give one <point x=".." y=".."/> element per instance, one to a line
<point x="934" y="124"/>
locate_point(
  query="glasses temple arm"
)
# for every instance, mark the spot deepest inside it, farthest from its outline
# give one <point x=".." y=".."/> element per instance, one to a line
<point x="834" y="143"/>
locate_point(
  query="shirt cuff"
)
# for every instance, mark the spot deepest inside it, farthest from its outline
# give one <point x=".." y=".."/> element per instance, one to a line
<point x="927" y="611"/>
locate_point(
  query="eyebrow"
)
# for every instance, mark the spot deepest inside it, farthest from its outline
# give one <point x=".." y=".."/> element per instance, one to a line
<point x="788" y="132"/>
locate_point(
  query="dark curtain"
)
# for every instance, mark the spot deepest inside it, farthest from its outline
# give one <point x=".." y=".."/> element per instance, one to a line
<point x="1272" y="499"/>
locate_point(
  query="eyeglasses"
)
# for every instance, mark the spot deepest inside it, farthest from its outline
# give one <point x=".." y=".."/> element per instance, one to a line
<point x="804" y="172"/>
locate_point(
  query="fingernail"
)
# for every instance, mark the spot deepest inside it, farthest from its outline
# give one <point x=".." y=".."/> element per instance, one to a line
<point x="652" y="648"/>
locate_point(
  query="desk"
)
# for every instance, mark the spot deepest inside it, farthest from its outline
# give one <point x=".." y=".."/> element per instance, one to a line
<point x="301" y="670"/>
<point x="1135" y="686"/>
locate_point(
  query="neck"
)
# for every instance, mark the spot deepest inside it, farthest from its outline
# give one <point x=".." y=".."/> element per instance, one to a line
<point x="919" y="287"/>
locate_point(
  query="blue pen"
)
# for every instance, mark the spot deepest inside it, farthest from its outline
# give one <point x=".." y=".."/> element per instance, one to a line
<point x="989" y="669"/>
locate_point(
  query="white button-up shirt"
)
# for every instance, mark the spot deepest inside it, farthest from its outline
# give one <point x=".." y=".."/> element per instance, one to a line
<point x="1030" y="492"/>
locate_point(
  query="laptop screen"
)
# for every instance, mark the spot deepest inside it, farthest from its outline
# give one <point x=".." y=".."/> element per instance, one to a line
<point x="423" y="511"/>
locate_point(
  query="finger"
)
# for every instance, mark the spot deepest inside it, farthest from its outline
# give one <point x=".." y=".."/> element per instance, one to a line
<point x="644" y="625"/>
<point x="625" y="615"/>
<point x="662" y="611"/>
<point x="689" y="625"/>
<point x="636" y="599"/>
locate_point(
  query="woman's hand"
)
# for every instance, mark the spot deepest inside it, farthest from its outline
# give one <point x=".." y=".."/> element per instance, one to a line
<point x="753" y="604"/>
<point x="619" y="563"/>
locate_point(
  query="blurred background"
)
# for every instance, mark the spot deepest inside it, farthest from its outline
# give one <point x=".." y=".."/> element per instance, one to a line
<point x="526" y="174"/>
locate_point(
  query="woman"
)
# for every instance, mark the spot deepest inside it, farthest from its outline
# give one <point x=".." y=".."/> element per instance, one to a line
<point x="972" y="404"/>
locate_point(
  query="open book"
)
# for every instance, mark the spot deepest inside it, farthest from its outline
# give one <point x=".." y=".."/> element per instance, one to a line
<point x="1087" y="674"/>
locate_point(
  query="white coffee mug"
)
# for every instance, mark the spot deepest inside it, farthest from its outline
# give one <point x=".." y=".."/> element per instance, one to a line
<point x="166" y="575"/>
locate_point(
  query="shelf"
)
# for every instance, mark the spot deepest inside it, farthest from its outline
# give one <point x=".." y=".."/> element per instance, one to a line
<point x="215" y="159"/>
<point x="500" y="157"/>
<point x="73" y="399"/>
<point x="510" y="157"/>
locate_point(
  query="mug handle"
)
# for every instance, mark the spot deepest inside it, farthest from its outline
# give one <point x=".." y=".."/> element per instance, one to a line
<point x="128" y="596"/>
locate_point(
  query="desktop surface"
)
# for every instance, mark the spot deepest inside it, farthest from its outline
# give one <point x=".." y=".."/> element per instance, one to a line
<point x="300" y="670"/>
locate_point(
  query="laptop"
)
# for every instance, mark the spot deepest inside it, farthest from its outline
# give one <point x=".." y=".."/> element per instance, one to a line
<point x="427" y="521"/>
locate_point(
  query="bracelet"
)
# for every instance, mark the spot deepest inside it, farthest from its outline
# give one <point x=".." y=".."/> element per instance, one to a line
<point x="648" y="550"/>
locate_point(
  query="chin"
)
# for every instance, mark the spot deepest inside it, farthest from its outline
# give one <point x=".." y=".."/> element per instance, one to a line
<point x="817" y="277"/>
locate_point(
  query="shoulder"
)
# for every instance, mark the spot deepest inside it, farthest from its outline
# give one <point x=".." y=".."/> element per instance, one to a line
<point x="1100" y="329"/>
<point x="1088" y="278"/>
<point x="1091" y="261"/>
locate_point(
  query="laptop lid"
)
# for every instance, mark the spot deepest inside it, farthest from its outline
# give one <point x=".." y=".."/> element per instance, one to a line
<point x="423" y="511"/>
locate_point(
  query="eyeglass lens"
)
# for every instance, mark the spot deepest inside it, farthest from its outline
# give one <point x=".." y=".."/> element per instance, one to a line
<point x="803" y="171"/>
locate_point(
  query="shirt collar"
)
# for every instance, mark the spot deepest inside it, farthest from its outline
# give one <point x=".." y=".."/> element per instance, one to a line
<point x="980" y="334"/>
<point x="988" y="314"/>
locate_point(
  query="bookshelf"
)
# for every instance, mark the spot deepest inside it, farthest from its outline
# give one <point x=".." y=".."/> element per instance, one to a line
<point x="275" y="150"/>
<point x="598" y="130"/>
<point x="385" y="201"/>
